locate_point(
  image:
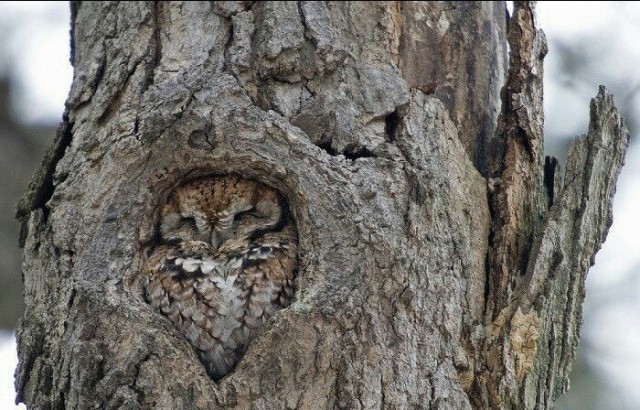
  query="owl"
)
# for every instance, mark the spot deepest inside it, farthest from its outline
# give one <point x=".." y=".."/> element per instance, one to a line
<point x="224" y="264"/>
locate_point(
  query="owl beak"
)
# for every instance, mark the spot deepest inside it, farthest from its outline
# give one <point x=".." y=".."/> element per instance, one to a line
<point x="215" y="240"/>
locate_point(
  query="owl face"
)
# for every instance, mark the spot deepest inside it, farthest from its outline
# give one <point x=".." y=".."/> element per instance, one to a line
<point x="236" y="212"/>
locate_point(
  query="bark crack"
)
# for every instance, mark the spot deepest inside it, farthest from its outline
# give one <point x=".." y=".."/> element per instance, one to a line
<point x="41" y="187"/>
<point x="551" y="178"/>
<point x="116" y="99"/>
<point x="140" y="393"/>
<point x="391" y="122"/>
<point x="155" y="48"/>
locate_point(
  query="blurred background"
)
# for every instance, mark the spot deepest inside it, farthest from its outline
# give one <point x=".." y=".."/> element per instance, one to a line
<point x="590" y="43"/>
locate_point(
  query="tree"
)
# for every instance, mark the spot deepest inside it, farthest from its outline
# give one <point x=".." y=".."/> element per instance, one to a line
<point x="441" y="258"/>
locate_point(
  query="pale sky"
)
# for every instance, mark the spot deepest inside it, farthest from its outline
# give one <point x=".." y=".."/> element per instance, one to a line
<point x="37" y="47"/>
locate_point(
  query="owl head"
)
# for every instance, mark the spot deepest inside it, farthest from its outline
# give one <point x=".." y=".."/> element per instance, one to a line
<point x="217" y="210"/>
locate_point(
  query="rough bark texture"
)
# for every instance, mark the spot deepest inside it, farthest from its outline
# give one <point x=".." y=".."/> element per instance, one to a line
<point x="432" y="272"/>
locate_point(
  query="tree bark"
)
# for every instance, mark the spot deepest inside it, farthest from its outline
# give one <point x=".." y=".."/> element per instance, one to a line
<point x="441" y="262"/>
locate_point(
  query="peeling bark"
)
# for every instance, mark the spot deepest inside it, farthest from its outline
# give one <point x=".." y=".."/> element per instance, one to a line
<point x="436" y="270"/>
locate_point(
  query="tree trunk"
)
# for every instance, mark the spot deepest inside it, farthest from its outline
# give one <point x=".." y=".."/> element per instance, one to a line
<point x="441" y="261"/>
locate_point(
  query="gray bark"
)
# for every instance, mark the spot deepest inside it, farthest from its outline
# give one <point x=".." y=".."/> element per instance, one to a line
<point x="437" y="269"/>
